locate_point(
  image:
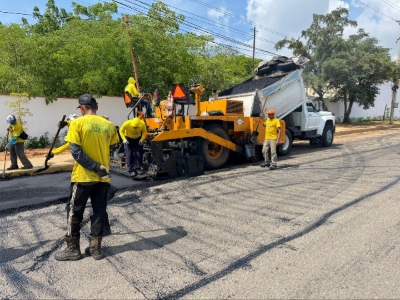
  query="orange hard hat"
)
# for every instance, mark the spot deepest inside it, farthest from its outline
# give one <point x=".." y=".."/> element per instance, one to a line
<point x="271" y="112"/>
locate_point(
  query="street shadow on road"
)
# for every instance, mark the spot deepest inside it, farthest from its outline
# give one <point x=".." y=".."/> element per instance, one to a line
<point x="157" y="242"/>
<point x="9" y="254"/>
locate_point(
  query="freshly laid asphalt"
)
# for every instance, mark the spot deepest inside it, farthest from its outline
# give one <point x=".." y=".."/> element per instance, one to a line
<point x="43" y="189"/>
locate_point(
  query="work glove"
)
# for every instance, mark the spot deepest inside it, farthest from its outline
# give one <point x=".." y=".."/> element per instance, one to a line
<point x="62" y="124"/>
<point x="102" y="172"/>
<point x="125" y="142"/>
<point x="49" y="155"/>
<point x="140" y="143"/>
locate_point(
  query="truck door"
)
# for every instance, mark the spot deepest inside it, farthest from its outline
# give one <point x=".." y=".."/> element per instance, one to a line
<point x="312" y="116"/>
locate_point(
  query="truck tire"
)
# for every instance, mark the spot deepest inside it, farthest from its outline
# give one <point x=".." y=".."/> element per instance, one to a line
<point x="327" y="136"/>
<point x="214" y="156"/>
<point x="287" y="66"/>
<point x="287" y="146"/>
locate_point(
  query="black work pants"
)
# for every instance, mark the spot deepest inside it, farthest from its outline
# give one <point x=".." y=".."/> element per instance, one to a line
<point x="133" y="154"/>
<point x="80" y="193"/>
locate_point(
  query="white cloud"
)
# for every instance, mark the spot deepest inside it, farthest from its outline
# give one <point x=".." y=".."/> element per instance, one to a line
<point x="333" y="4"/>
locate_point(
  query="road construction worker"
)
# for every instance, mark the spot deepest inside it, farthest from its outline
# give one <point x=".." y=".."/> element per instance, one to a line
<point x="133" y="133"/>
<point x="90" y="138"/>
<point x="272" y="135"/>
<point x="111" y="190"/>
<point x="133" y="92"/>
<point x="16" y="144"/>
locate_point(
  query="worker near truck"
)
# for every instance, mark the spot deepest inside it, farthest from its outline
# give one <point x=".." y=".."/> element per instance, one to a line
<point x="133" y="133"/>
<point x="90" y="138"/>
<point x="133" y="92"/>
<point x="16" y="144"/>
<point x="272" y="135"/>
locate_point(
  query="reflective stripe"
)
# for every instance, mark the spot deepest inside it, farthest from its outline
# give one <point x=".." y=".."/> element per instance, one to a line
<point x="71" y="208"/>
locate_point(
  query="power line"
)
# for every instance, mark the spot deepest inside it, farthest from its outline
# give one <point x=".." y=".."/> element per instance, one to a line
<point x="15" y="13"/>
<point x="391" y="5"/>
<point x="219" y="25"/>
<point x="239" y="17"/>
<point x="375" y="10"/>
<point x="197" y="27"/>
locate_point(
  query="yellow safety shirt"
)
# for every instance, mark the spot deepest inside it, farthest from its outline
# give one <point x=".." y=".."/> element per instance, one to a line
<point x="271" y="128"/>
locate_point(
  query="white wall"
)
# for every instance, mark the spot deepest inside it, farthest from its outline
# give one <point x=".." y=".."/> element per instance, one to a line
<point x="46" y="117"/>
<point x="383" y="98"/>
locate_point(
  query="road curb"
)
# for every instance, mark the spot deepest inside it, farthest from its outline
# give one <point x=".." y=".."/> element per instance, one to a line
<point x="367" y="129"/>
<point x="66" y="167"/>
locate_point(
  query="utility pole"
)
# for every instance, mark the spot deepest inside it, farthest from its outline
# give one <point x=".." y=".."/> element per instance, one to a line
<point x="395" y="86"/>
<point x="132" y="55"/>
<point x="254" y="47"/>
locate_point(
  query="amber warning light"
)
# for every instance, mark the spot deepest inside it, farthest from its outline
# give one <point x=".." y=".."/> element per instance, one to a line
<point x="178" y="92"/>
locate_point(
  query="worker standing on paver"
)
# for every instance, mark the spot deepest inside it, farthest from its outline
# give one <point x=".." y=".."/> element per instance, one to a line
<point x="133" y="92"/>
<point x="133" y="133"/>
<point x="90" y="138"/>
<point x="272" y="135"/>
<point x="16" y="144"/>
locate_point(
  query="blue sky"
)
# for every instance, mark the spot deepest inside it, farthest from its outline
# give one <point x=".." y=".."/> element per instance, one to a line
<point x="235" y="19"/>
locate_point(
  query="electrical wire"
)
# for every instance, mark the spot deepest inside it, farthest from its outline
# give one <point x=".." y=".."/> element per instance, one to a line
<point x="217" y="24"/>
<point x="197" y="27"/>
<point x="375" y="10"/>
<point x="15" y="13"/>
<point x="391" y="5"/>
<point x="238" y="17"/>
<point x="191" y="27"/>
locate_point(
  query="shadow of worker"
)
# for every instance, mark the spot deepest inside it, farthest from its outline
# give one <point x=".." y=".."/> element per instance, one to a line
<point x="157" y="242"/>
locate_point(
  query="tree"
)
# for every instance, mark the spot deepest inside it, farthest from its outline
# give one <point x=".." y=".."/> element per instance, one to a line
<point x="18" y="110"/>
<point x="316" y="42"/>
<point x="355" y="69"/>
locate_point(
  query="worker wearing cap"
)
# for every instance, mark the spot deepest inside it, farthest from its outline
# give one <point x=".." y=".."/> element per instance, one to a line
<point x="16" y="144"/>
<point x="112" y="189"/>
<point x="133" y="133"/>
<point x="272" y="135"/>
<point x="90" y="138"/>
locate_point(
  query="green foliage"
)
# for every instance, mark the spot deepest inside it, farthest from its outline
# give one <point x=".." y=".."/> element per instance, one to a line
<point x="88" y="50"/>
<point x="18" y="110"/>
<point x="3" y="143"/>
<point x="38" y="143"/>
<point x="351" y="69"/>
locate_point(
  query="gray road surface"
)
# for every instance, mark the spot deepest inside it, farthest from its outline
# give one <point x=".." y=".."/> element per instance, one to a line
<point x="324" y="225"/>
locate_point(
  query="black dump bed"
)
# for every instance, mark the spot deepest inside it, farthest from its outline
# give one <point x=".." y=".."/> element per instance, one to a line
<point x="250" y="85"/>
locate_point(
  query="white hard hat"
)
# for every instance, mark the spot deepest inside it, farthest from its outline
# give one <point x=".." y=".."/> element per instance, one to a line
<point x="72" y="117"/>
<point x="11" y="119"/>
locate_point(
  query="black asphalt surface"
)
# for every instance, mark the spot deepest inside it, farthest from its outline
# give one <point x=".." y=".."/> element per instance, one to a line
<point x="41" y="189"/>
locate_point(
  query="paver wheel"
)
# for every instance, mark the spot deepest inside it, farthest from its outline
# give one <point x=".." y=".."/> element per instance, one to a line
<point x="214" y="155"/>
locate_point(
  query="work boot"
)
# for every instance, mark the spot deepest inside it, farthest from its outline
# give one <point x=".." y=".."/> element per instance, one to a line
<point x="72" y="252"/>
<point x="12" y="168"/>
<point x="94" y="248"/>
<point x="273" y="167"/>
<point x="265" y="164"/>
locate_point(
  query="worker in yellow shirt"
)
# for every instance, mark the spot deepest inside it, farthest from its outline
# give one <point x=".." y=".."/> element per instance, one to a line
<point x="272" y="135"/>
<point x="133" y="133"/>
<point x="133" y="92"/>
<point x="90" y="138"/>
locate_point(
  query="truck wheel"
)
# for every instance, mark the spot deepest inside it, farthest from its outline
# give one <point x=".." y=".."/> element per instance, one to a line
<point x="287" y="146"/>
<point x="327" y="136"/>
<point x="214" y="155"/>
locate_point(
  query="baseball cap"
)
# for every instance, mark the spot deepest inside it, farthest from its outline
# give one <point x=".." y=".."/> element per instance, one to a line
<point x="11" y="119"/>
<point x="87" y="99"/>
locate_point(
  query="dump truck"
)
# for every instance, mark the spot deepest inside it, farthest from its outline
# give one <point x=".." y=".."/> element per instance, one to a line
<point x="206" y="133"/>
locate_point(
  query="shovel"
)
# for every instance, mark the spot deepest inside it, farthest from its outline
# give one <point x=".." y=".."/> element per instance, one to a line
<point x="5" y="158"/>
<point x="46" y="166"/>
<point x="254" y="134"/>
